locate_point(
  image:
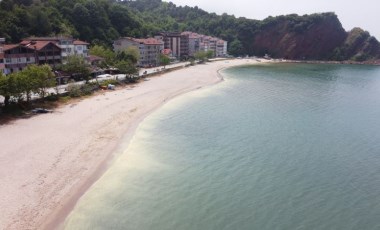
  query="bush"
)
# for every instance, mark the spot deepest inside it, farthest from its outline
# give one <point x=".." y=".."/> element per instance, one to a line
<point x="74" y="90"/>
<point x="52" y="97"/>
<point x="109" y="81"/>
<point x="64" y="99"/>
<point x="88" y="89"/>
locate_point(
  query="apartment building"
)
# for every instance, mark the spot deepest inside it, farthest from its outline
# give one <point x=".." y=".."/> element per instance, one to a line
<point x="200" y="42"/>
<point x="172" y="41"/>
<point x="221" y="48"/>
<point x="149" y="49"/>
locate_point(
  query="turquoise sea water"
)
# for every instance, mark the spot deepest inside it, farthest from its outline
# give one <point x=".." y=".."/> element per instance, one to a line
<point x="283" y="146"/>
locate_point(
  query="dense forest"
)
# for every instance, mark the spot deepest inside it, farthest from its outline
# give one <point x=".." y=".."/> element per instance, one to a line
<point x="316" y="36"/>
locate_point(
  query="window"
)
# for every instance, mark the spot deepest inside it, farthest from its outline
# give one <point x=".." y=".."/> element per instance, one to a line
<point x="1" y="61"/>
<point x="8" y="60"/>
<point x="28" y="59"/>
<point x="79" y="47"/>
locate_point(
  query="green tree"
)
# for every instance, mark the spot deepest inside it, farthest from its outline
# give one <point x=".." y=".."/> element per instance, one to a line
<point x="236" y="48"/>
<point x="101" y="51"/>
<point x="210" y="54"/>
<point x="41" y="78"/>
<point x="26" y="83"/>
<point x="129" y="69"/>
<point x="12" y="88"/>
<point x="130" y="54"/>
<point x="76" y="65"/>
<point x="4" y="89"/>
<point x="201" y="56"/>
<point x="164" y="60"/>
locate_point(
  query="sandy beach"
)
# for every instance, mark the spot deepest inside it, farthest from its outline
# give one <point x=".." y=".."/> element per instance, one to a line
<point x="47" y="162"/>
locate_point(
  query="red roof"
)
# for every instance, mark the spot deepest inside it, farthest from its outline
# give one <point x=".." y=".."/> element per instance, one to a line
<point x="10" y="46"/>
<point x="78" y="42"/>
<point x="37" y="45"/>
<point x="166" y="51"/>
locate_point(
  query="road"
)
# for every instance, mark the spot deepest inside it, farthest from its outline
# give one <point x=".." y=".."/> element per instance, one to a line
<point x="142" y="72"/>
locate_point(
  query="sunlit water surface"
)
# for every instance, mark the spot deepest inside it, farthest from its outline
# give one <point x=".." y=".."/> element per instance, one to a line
<point x="283" y="146"/>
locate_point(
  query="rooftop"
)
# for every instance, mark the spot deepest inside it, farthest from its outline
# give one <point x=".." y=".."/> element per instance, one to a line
<point x="37" y="45"/>
<point x="10" y="46"/>
<point x="146" y="41"/>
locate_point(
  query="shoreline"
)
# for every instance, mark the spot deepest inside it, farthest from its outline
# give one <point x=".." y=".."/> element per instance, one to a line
<point x="370" y="63"/>
<point x="49" y="161"/>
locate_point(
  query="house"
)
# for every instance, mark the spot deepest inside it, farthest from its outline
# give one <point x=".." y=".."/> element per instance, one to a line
<point x="94" y="60"/>
<point x="16" y="57"/>
<point x="81" y="48"/>
<point x="149" y="49"/>
<point x="47" y="52"/>
<point x="68" y="45"/>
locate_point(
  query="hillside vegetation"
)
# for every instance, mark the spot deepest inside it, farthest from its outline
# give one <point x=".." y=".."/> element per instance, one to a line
<point x="309" y="37"/>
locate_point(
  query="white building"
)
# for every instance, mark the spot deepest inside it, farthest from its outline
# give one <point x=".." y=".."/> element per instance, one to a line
<point x="81" y="48"/>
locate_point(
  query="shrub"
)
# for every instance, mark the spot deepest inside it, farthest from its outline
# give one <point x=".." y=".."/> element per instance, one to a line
<point x="88" y="89"/>
<point x="74" y="90"/>
<point x="52" y="97"/>
<point x="109" y="81"/>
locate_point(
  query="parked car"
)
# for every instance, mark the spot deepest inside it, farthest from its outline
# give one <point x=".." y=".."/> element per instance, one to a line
<point x="41" y="110"/>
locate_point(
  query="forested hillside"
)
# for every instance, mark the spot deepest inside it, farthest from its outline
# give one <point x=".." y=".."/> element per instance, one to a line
<point x="317" y="36"/>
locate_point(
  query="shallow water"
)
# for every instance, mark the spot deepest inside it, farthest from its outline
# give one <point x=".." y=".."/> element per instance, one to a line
<point x="283" y="146"/>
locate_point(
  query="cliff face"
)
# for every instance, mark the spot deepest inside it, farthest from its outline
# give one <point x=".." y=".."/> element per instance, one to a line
<point x="358" y="46"/>
<point x="300" y="37"/>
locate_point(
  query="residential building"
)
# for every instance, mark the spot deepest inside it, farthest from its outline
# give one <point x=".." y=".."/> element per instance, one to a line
<point x="17" y="57"/>
<point x="81" y="48"/>
<point x="172" y="41"/>
<point x="194" y="42"/>
<point x="2" y="65"/>
<point x="185" y="39"/>
<point x="200" y="42"/>
<point x="221" y="48"/>
<point x="46" y="52"/>
<point x="68" y="45"/>
<point x="149" y="49"/>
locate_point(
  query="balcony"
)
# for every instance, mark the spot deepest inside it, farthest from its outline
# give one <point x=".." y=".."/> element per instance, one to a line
<point x="22" y="55"/>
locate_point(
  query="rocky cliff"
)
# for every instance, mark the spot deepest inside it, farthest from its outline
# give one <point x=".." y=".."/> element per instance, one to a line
<point x="300" y="37"/>
<point x="313" y="37"/>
